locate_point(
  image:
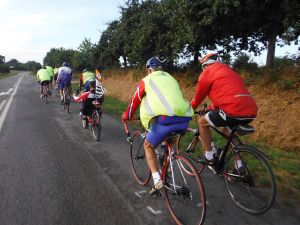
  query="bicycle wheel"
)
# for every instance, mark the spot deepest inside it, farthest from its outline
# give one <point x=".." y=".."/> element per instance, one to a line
<point x="46" y="98"/>
<point x="188" y="143"/>
<point x="96" y="128"/>
<point x="139" y="164"/>
<point x="254" y="190"/>
<point x="185" y="195"/>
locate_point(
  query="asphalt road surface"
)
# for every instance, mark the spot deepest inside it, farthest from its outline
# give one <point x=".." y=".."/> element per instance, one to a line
<point x="53" y="172"/>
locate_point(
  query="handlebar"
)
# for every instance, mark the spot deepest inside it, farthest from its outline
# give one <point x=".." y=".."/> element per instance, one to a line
<point x="125" y="123"/>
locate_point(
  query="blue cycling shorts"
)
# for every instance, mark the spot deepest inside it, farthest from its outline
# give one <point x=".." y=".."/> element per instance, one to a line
<point x="86" y="86"/>
<point x="163" y="126"/>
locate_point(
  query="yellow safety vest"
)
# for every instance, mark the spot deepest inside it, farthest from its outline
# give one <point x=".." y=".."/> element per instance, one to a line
<point x="163" y="97"/>
<point x="87" y="76"/>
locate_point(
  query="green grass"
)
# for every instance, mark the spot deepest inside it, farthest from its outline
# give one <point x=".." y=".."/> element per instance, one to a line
<point x="285" y="165"/>
<point x="11" y="73"/>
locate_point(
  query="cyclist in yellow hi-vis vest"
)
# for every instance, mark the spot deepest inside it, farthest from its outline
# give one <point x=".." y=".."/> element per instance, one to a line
<point x="162" y="110"/>
<point x="85" y="78"/>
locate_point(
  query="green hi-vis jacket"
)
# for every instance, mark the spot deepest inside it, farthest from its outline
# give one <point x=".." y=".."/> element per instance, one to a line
<point x="51" y="71"/>
<point x="87" y="76"/>
<point x="43" y="74"/>
<point x="163" y="97"/>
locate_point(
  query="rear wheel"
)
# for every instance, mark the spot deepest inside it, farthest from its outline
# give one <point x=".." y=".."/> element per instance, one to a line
<point x="253" y="189"/>
<point x="185" y="195"/>
<point x="139" y="164"/>
<point x="96" y="128"/>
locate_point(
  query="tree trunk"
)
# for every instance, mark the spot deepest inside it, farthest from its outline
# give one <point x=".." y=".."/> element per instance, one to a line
<point x="271" y="51"/>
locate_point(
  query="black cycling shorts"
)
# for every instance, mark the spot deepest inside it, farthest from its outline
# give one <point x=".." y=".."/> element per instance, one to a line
<point x="45" y="82"/>
<point x="218" y="118"/>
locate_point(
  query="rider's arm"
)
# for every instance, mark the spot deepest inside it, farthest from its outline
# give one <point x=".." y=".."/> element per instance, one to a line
<point x="202" y="89"/>
<point x="81" y="80"/>
<point x="136" y="100"/>
<point x="82" y="97"/>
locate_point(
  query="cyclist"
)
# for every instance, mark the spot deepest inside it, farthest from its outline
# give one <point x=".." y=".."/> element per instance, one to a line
<point x="162" y="110"/>
<point x="55" y="76"/>
<point x="100" y="90"/>
<point x="87" y="99"/>
<point x="64" y="78"/>
<point x="51" y="72"/>
<point x="43" y="77"/>
<point x="85" y="78"/>
<point x="231" y="102"/>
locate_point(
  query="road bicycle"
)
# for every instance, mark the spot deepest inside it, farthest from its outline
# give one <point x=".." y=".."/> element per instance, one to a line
<point x="66" y="98"/>
<point x="252" y="188"/>
<point x="45" y="92"/>
<point x="93" y="121"/>
<point x="184" y="195"/>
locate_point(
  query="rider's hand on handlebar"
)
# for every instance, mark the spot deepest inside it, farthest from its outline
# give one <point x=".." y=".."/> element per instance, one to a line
<point x="124" y="116"/>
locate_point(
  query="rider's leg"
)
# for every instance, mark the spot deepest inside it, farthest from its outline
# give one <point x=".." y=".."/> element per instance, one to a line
<point x="205" y="137"/>
<point x="152" y="161"/>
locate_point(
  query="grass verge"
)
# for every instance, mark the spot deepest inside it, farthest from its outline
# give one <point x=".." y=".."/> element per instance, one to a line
<point x="285" y="165"/>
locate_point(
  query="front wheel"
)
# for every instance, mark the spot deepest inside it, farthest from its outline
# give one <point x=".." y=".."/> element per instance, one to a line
<point x="185" y="195"/>
<point x="139" y="164"/>
<point x="96" y="127"/>
<point x="189" y="144"/>
<point x="253" y="188"/>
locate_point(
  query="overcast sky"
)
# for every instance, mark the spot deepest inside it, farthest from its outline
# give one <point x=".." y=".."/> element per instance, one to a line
<point x="30" y="28"/>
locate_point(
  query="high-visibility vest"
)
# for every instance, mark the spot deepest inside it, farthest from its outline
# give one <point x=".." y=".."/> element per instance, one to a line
<point x="50" y="70"/>
<point x="87" y="76"/>
<point x="163" y="97"/>
<point x="43" y="74"/>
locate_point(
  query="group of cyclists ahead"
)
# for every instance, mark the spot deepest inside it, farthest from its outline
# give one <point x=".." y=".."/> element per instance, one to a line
<point x="164" y="110"/>
<point x="90" y="83"/>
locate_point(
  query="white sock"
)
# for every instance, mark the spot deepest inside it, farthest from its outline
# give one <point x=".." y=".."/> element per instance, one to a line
<point x="209" y="155"/>
<point x="238" y="164"/>
<point x="156" y="177"/>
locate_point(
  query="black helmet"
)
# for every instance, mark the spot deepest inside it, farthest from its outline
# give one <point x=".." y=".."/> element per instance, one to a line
<point x="92" y="83"/>
<point x="65" y="64"/>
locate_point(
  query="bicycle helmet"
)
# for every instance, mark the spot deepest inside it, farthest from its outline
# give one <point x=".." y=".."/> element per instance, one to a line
<point x="153" y="63"/>
<point x="209" y="59"/>
<point x="65" y="64"/>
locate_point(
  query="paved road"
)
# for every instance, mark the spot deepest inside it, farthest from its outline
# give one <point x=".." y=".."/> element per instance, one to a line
<point x="53" y="172"/>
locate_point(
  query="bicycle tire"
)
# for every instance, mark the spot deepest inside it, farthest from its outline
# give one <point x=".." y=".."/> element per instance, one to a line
<point x="257" y="191"/>
<point x="182" y="147"/>
<point x="96" y="127"/>
<point x="138" y="161"/>
<point x="46" y="98"/>
<point x="185" y="195"/>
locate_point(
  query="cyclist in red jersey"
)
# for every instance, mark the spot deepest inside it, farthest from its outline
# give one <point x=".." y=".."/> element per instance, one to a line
<point x="231" y="102"/>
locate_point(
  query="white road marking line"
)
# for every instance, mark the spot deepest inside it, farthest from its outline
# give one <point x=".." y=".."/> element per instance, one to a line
<point x="5" y="111"/>
<point x="139" y="193"/>
<point x="157" y="212"/>
<point x="2" y="104"/>
<point x="6" y="93"/>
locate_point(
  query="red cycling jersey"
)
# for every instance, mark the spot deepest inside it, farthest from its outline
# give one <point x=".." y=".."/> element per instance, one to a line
<point x="226" y="90"/>
<point x="84" y="96"/>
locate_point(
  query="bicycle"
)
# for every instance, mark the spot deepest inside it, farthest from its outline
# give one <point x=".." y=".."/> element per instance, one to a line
<point x="45" y="92"/>
<point x="66" y="99"/>
<point x="184" y="194"/>
<point x="93" y="121"/>
<point x="252" y="189"/>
